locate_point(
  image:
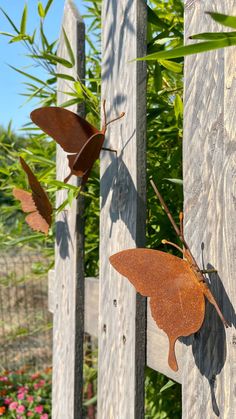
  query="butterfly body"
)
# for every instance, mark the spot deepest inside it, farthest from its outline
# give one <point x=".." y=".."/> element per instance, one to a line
<point x="176" y="298"/>
<point x="35" y="203"/>
<point x="75" y="135"/>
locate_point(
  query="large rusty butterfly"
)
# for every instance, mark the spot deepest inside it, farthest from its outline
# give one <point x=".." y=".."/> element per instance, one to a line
<point x="176" y="286"/>
<point x="36" y="203"/>
<point x="75" y="135"/>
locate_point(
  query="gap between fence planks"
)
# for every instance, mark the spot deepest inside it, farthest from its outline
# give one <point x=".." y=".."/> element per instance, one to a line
<point x="209" y="161"/>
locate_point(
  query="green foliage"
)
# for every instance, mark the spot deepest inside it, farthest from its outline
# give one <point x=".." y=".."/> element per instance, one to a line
<point x="164" y="122"/>
<point x="214" y="40"/>
<point x="38" y="152"/>
<point x="163" y="397"/>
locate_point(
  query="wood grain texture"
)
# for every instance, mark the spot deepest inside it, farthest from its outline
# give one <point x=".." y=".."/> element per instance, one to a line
<point x="157" y="341"/>
<point x="69" y="276"/>
<point x="91" y="306"/>
<point x="158" y="348"/>
<point x="122" y="221"/>
<point x="51" y="290"/>
<point x="209" y="155"/>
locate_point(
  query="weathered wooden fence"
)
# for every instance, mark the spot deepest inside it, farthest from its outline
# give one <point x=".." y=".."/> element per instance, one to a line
<point x="127" y="341"/>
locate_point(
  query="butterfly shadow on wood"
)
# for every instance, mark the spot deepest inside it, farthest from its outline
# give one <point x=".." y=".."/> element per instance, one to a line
<point x="209" y="343"/>
<point x="63" y="237"/>
<point x="118" y="181"/>
<point x="177" y="287"/>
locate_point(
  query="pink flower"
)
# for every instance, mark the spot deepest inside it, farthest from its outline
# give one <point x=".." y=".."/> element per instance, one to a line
<point x="23" y="390"/>
<point x="20" y="409"/>
<point x="38" y="409"/>
<point x="21" y="396"/>
<point x="44" y="416"/>
<point x="30" y="413"/>
<point x="30" y="399"/>
<point x="34" y="376"/>
<point x="39" y="384"/>
<point x="13" y="406"/>
<point x="8" y="400"/>
<point x="3" y="378"/>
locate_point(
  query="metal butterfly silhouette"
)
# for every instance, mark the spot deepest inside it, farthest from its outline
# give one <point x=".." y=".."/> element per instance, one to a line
<point x="36" y="203"/>
<point x="176" y="287"/>
<point x="75" y="135"/>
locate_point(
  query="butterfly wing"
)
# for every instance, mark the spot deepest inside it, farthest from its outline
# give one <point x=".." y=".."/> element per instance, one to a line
<point x="34" y="219"/>
<point x="67" y="128"/>
<point x="37" y="222"/>
<point x="177" y="302"/>
<point x="82" y="163"/>
<point x="39" y="196"/>
<point x="26" y="200"/>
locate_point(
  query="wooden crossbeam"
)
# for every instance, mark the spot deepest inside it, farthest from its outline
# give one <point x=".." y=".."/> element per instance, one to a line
<point x="157" y="342"/>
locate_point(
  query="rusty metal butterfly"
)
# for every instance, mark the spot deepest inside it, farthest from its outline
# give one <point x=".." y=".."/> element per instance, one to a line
<point x="36" y="203"/>
<point x="176" y="287"/>
<point x="75" y="135"/>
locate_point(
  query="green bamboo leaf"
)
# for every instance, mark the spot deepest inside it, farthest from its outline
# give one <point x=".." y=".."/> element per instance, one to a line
<point x="59" y="60"/>
<point x="171" y="65"/>
<point x="26" y="239"/>
<point x="79" y="89"/>
<point x="68" y="47"/>
<point x="154" y="19"/>
<point x="176" y="181"/>
<point x="24" y="20"/>
<point x="48" y="5"/>
<point x="62" y="206"/>
<point x="6" y="34"/>
<point x="27" y="75"/>
<point x="91" y="401"/>
<point x="169" y="384"/>
<point x="229" y="21"/>
<point x="33" y="36"/>
<point x="71" y="102"/>
<point x="9" y="20"/>
<point x="190" y="49"/>
<point x="18" y="38"/>
<point x="62" y="185"/>
<point x="70" y="197"/>
<point x="64" y="76"/>
<point x="41" y="10"/>
<point x="178" y="107"/>
<point x="211" y="36"/>
<point x="44" y="40"/>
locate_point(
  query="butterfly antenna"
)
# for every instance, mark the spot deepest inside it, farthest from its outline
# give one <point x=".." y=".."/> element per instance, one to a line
<point x="168" y="213"/>
<point x="173" y="244"/>
<point x="116" y="119"/>
<point x="104" y="125"/>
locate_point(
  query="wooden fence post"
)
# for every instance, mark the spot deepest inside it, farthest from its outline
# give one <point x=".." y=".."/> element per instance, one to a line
<point x="122" y="221"/>
<point x="209" y="367"/>
<point x="68" y="306"/>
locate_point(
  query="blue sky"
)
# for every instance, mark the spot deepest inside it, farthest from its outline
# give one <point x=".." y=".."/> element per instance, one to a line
<point x="10" y="81"/>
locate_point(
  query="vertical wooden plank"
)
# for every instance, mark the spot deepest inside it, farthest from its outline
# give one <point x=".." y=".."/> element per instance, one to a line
<point x="122" y="223"/>
<point x="68" y="321"/>
<point x="209" y="361"/>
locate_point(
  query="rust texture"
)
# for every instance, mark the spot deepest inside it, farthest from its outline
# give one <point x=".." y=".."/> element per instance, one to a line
<point x="176" y="298"/>
<point x="36" y="203"/>
<point x="75" y="135"/>
<point x="176" y="287"/>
